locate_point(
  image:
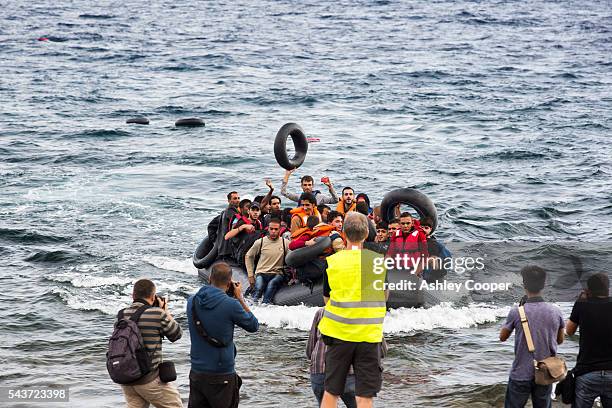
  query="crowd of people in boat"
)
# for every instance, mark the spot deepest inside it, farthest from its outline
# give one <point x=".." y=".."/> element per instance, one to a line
<point x="257" y="234"/>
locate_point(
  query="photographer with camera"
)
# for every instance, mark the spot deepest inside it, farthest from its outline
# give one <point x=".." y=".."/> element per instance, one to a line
<point x="149" y="316"/>
<point x="212" y="315"/>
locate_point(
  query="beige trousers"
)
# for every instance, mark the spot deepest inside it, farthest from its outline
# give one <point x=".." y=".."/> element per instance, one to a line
<point x="161" y="395"/>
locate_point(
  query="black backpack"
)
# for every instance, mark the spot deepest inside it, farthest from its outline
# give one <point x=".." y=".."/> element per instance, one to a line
<point x="127" y="359"/>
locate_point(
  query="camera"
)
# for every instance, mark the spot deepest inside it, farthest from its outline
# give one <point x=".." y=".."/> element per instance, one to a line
<point x="230" y="291"/>
<point x="159" y="301"/>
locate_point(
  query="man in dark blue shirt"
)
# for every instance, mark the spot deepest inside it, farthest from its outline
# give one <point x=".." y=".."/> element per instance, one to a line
<point x="593" y="314"/>
<point x="212" y="315"/>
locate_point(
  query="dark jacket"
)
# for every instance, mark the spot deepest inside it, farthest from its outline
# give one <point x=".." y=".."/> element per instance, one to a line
<point x="218" y="314"/>
<point x="224" y="248"/>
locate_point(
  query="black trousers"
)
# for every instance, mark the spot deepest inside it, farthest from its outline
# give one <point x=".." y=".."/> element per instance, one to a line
<point x="214" y="390"/>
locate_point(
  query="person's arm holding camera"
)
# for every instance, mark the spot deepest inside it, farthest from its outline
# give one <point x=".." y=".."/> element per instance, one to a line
<point x="238" y="295"/>
<point x="242" y="316"/>
<point x="170" y="328"/>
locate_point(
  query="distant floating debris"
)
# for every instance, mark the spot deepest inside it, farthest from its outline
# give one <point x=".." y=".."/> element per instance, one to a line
<point x="139" y="121"/>
<point x="189" y="122"/>
<point x="312" y="139"/>
<point x="52" y="39"/>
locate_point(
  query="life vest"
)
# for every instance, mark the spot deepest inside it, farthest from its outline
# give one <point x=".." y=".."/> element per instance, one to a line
<point x="237" y="217"/>
<point x="258" y="225"/>
<point x="413" y="244"/>
<point x="321" y="230"/>
<point x="356" y="308"/>
<point x="340" y="207"/>
<point x="299" y="212"/>
<point x="301" y="232"/>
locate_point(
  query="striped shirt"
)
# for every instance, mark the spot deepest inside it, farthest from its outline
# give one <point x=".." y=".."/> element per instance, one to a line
<point x="154" y="324"/>
<point x="316" y="348"/>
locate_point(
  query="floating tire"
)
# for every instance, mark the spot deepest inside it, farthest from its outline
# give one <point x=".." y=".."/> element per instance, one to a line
<point x="409" y="196"/>
<point x="189" y="122"/>
<point x="301" y="256"/>
<point x="299" y="142"/>
<point x="205" y="254"/>
<point x="138" y="121"/>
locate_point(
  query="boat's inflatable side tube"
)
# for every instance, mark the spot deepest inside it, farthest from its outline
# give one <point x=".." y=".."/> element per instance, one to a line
<point x="409" y="196"/>
<point x="205" y="254"/>
<point x="300" y="294"/>
<point x="313" y="295"/>
<point x="299" y="142"/>
<point x="301" y="256"/>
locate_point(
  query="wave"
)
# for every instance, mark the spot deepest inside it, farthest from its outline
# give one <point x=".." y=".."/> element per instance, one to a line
<point x="103" y="134"/>
<point x="520" y="154"/>
<point x="58" y="256"/>
<point x="91" y="302"/>
<point x="79" y="280"/>
<point x="23" y="236"/>
<point x="551" y="212"/>
<point x="162" y="262"/>
<point x="398" y="321"/>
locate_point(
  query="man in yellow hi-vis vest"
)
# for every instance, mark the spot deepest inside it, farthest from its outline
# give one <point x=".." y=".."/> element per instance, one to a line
<point x="352" y="324"/>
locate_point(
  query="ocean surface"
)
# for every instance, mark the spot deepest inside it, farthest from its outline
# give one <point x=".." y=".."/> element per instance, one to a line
<point x="499" y="111"/>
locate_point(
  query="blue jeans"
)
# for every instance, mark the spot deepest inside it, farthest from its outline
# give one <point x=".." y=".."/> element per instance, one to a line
<point x="317" y="382"/>
<point x="592" y="385"/>
<point x="268" y="284"/>
<point x="518" y="393"/>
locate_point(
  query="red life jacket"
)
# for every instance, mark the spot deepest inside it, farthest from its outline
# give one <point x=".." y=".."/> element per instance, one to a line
<point x="246" y="220"/>
<point x="413" y="244"/>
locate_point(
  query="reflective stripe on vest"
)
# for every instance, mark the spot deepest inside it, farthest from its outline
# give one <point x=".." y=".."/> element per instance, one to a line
<point x="357" y="320"/>
<point x="356" y="309"/>
<point x="358" y="304"/>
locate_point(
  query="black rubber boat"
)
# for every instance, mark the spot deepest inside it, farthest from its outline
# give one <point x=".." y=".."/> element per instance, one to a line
<point x="408" y="295"/>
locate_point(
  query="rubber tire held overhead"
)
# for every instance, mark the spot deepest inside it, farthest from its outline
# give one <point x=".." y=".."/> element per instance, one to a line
<point x="409" y="196"/>
<point x="299" y="142"/>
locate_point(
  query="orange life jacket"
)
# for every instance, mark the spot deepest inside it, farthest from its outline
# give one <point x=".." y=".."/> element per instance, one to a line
<point x="321" y="230"/>
<point x="299" y="212"/>
<point x="340" y="207"/>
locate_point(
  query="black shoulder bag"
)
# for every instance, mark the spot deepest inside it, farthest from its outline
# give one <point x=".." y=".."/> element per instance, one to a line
<point x="200" y="328"/>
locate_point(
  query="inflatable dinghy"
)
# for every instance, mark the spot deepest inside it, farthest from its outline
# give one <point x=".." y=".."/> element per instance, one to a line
<point x="407" y="292"/>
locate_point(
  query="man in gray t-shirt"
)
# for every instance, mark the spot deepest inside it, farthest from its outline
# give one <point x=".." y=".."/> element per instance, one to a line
<point x="546" y="326"/>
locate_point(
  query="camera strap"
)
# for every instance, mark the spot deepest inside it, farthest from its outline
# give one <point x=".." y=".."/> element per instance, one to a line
<point x="200" y="328"/>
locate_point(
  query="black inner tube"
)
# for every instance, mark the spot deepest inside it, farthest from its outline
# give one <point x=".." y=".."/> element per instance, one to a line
<point x="139" y="121"/>
<point x="299" y="142"/>
<point x="205" y="254"/>
<point x="189" y="122"/>
<point x="305" y="254"/>
<point x="409" y="196"/>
